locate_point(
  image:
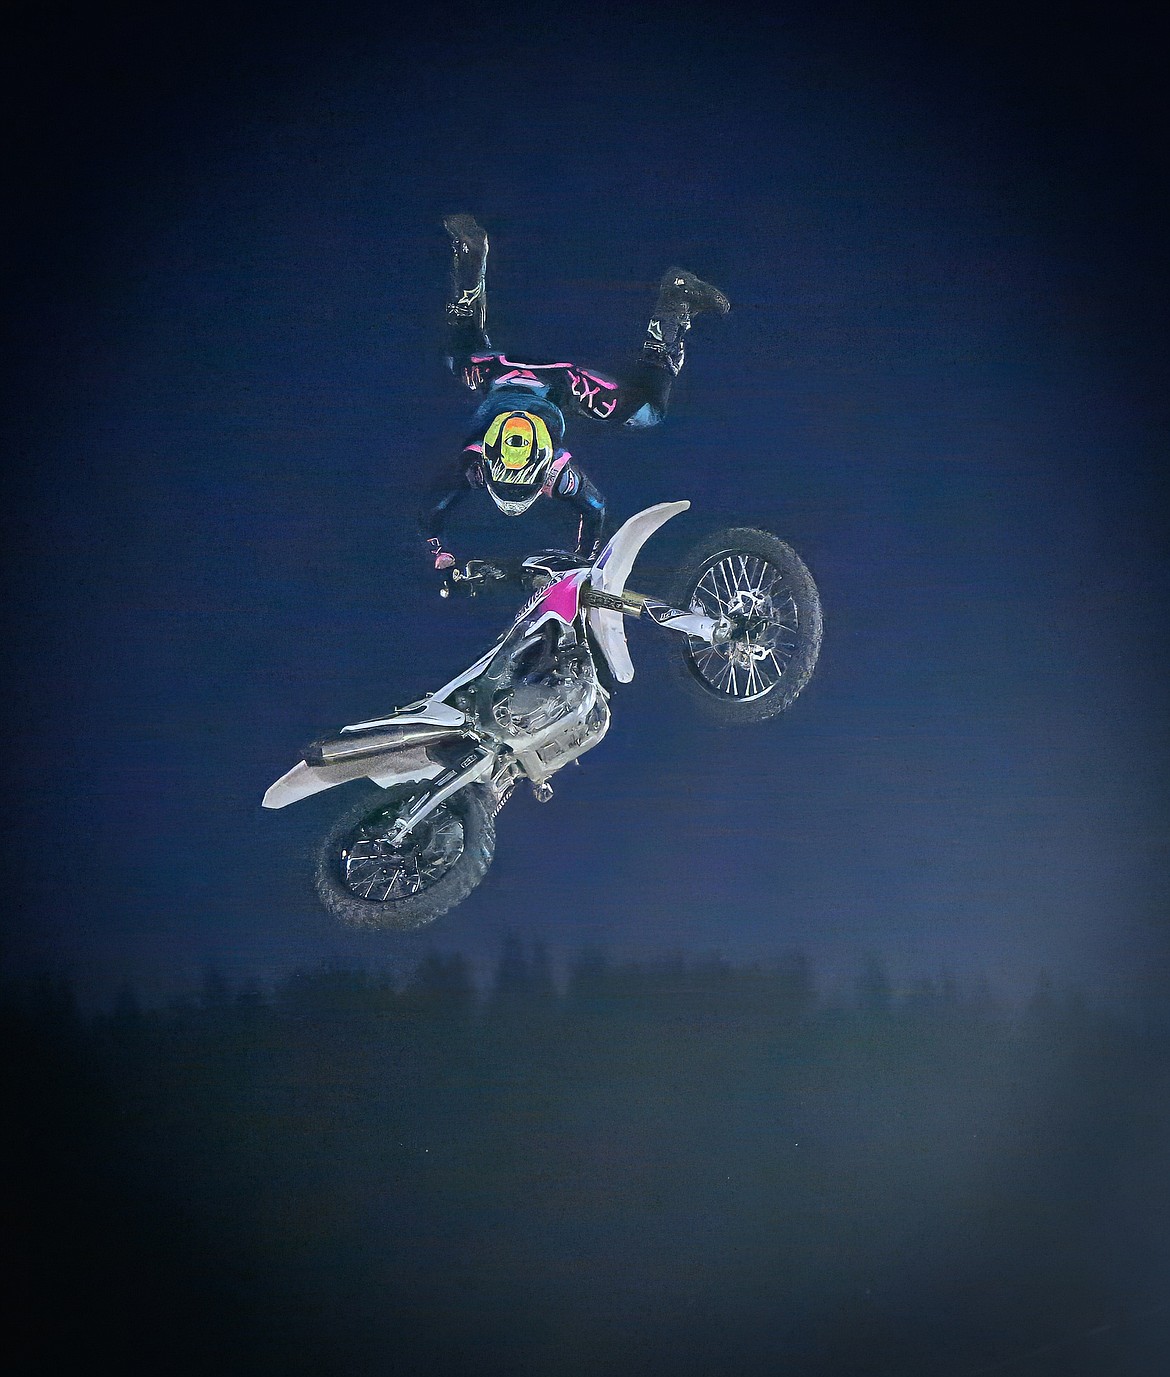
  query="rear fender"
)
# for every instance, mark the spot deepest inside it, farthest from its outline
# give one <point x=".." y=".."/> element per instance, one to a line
<point x="393" y="767"/>
<point x="401" y="761"/>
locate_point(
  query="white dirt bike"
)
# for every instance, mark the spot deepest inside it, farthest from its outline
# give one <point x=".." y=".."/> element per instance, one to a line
<point x="746" y="619"/>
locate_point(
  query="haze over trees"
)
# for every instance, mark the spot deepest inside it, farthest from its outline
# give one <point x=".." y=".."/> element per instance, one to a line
<point x="684" y="1167"/>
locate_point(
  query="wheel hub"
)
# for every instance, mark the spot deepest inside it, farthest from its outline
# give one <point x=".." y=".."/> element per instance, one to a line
<point x="752" y="627"/>
<point x="375" y="867"/>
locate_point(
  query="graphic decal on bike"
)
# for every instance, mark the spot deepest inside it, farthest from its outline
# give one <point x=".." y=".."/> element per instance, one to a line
<point x="564" y="597"/>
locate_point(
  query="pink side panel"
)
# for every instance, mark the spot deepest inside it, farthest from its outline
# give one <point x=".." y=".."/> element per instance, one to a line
<point x="563" y="597"/>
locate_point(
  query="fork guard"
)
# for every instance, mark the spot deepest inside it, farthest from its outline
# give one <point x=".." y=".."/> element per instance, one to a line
<point x="477" y="764"/>
<point x="609" y="575"/>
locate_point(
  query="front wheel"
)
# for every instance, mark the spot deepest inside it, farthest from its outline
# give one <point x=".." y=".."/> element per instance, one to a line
<point x="367" y="881"/>
<point x="760" y="589"/>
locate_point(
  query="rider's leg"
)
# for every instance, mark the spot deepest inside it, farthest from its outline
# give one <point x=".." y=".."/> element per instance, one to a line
<point x="467" y="293"/>
<point x="645" y="391"/>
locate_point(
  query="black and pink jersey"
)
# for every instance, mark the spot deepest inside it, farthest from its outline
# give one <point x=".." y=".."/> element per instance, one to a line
<point x="550" y="390"/>
<point x="566" y="386"/>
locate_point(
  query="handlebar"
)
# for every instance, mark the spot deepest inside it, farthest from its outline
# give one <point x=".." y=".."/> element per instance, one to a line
<point x="473" y="575"/>
<point x="468" y="579"/>
<point x="478" y="573"/>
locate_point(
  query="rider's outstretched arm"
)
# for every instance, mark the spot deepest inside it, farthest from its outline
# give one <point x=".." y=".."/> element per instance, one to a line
<point x="445" y="493"/>
<point x="571" y="485"/>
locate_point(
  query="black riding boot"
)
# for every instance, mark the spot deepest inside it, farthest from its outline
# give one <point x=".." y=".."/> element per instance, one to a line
<point x="467" y="299"/>
<point x="681" y="297"/>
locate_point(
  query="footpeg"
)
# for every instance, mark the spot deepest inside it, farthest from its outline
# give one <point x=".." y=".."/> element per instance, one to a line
<point x="542" y="792"/>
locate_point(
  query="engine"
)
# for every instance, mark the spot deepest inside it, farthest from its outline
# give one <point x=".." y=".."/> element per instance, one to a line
<point x="552" y="685"/>
<point x="578" y="737"/>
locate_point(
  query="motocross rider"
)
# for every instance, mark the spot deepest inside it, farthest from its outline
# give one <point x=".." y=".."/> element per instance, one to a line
<point x="514" y="445"/>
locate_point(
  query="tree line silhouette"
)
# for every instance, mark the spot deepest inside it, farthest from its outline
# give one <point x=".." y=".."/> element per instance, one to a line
<point x="682" y="1167"/>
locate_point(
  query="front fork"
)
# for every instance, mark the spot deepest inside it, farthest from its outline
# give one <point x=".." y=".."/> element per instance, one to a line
<point x="477" y="764"/>
<point x="641" y="605"/>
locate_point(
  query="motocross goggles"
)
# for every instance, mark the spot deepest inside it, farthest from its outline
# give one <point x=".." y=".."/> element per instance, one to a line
<point x="517" y="452"/>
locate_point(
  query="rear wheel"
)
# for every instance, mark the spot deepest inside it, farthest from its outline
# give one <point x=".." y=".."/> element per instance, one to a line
<point x="760" y="589"/>
<point x="367" y="881"/>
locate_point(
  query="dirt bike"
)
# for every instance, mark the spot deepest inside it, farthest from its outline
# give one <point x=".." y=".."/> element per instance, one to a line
<point x="746" y="621"/>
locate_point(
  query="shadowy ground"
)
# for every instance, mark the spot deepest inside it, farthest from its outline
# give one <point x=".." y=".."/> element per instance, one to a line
<point x="686" y="1168"/>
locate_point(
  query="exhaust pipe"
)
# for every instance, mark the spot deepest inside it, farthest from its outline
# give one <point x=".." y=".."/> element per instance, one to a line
<point x="332" y="750"/>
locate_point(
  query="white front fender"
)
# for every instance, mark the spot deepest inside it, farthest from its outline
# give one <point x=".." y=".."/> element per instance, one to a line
<point x="609" y="575"/>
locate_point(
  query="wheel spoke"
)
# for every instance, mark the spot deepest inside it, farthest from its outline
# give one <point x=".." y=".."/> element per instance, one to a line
<point x="700" y="601"/>
<point x="754" y="593"/>
<point x="779" y="667"/>
<point x="727" y="583"/>
<point x="713" y="591"/>
<point x="374" y="868"/>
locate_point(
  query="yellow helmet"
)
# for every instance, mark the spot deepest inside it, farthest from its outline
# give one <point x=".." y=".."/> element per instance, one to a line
<point x="517" y="452"/>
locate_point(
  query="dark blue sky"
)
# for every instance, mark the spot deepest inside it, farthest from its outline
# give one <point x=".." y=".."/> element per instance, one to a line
<point x="941" y="381"/>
